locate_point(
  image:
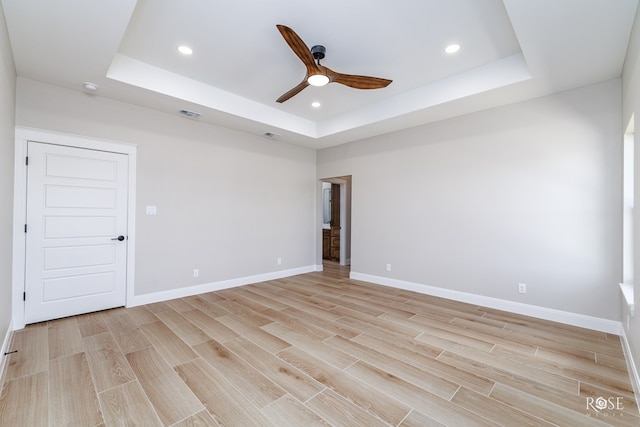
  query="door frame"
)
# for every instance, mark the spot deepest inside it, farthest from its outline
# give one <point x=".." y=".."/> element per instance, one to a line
<point x="22" y="136"/>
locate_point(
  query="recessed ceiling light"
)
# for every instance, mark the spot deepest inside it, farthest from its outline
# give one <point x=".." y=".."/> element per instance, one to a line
<point x="185" y="50"/>
<point x="452" y="48"/>
<point x="315" y="104"/>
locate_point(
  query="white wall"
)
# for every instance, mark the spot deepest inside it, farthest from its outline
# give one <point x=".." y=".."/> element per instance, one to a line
<point x="7" y="125"/>
<point x="631" y="107"/>
<point x="229" y="203"/>
<point x="528" y="193"/>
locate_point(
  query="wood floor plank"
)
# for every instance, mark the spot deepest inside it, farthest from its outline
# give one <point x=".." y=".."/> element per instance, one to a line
<point x="141" y="315"/>
<point x="500" y="369"/>
<point x="308" y="306"/>
<point x="418" y="419"/>
<point x="545" y="409"/>
<point x="445" y="332"/>
<point x="558" y="345"/>
<point x="615" y="380"/>
<point x="495" y="411"/>
<point x="616" y="362"/>
<point x="64" y="338"/>
<point x="268" y="341"/>
<point x="128" y="336"/>
<point x="298" y="324"/>
<point x="451" y="344"/>
<point x="349" y="387"/>
<point x="333" y="327"/>
<point x="127" y="404"/>
<point x="489" y="333"/>
<point x="290" y="379"/>
<point x="224" y="402"/>
<point x="339" y="412"/>
<point x="259" y="389"/>
<point x="327" y="353"/>
<point x="457" y="376"/>
<point x="410" y="345"/>
<point x="179" y="305"/>
<point x="356" y="305"/>
<point x="170" y="397"/>
<point x="210" y="326"/>
<point x="424" y="379"/>
<point x="109" y="367"/>
<point x="387" y="309"/>
<point x="25" y="402"/>
<point x="581" y="364"/>
<point x="428" y="304"/>
<point x="201" y="419"/>
<point x="366" y="290"/>
<point x="566" y="335"/>
<point x="72" y="396"/>
<point x="439" y="409"/>
<point x="242" y="301"/>
<point x="364" y="322"/>
<point x="212" y="297"/>
<point x="209" y="308"/>
<point x="289" y="412"/>
<point x="169" y="345"/>
<point x="186" y="330"/>
<point x="91" y="324"/>
<point x="249" y="292"/>
<point x="31" y="352"/>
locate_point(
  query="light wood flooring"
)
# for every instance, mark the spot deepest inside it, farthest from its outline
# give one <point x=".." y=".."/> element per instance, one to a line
<point x="315" y="349"/>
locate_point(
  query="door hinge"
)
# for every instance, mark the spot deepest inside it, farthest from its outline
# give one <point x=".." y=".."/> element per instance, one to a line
<point x="25" y="228"/>
<point x="24" y="296"/>
<point x="26" y="161"/>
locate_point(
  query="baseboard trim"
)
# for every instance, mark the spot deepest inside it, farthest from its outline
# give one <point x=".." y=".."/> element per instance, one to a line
<point x="215" y="286"/>
<point x="631" y="366"/>
<point x="574" y="319"/>
<point x="5" y="349"/>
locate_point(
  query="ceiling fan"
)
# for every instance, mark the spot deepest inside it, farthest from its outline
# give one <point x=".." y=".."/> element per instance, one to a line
<point x="319" y="75"/>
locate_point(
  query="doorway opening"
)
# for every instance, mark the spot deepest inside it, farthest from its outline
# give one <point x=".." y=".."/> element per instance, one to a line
<point x="336" y="220"/>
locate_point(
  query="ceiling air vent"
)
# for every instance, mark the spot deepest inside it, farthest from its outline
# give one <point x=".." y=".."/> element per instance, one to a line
<point x="190" y="114"/>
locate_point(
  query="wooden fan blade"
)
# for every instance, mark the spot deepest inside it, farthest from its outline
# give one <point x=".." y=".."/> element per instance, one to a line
<point x="357" y="82"/>
<point x="296" y="90"/>
<point x="298" y="47"/>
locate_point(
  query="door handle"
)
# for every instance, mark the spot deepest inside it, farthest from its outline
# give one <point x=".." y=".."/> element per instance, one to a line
<point x="119" y="238"/>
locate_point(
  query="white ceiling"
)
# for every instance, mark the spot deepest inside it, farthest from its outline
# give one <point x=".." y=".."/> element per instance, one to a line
<point x="512" y="50"/>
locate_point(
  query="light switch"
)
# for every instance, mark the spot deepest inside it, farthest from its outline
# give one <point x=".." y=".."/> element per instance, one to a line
<point x="151" y="210"/>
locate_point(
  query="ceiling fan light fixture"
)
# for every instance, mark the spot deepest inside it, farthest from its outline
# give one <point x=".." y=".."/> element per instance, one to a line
<point x="318" y="80"/>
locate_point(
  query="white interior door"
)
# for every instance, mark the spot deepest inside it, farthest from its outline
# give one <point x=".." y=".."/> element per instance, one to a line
<point x="76" y="245"/>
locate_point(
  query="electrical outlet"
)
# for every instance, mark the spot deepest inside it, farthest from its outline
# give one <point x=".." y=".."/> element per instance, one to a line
<point x="388" y="267"/>
<point x="522" y="288"/>
<point x="196" y="272"/>
<point x="279" y="261"/>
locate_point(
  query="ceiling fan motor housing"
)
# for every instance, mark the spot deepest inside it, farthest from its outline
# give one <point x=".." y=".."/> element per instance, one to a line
<point x="318" y="52"/>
